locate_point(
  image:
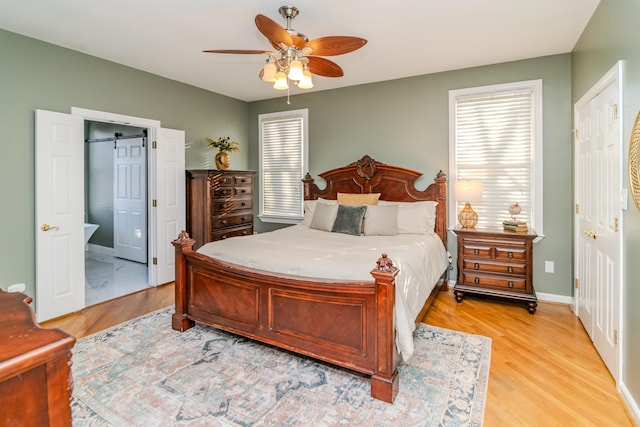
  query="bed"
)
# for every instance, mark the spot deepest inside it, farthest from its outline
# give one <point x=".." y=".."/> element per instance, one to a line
<point x="347" y="320"/>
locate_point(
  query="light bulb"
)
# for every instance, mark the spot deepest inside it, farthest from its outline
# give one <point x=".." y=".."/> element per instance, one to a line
<point x="295" y="70"/>
<point x="281" y="81"/>
<point x="269" y="72"/>
<point x="305" y="81"/>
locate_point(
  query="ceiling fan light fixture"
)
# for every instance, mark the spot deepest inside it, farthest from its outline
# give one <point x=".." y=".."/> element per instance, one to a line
<point x="295" y="70"/>
<point x="269" y="72"/>
<point x="306" y="81"/>
<point x="281" y="81"/>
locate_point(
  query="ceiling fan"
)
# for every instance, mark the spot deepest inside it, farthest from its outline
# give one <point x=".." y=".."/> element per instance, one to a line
<point x="296" y="57"/>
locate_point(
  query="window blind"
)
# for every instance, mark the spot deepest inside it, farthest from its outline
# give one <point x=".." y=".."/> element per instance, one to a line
<point x="281" y="168"/>
<point x="494" y="144"/>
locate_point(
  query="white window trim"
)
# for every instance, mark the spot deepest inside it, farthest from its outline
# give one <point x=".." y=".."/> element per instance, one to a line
<point x="538" y="182"/>
<point x="301" y="113"/>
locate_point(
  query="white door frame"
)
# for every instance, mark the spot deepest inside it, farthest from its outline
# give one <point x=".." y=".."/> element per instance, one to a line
<point x="615" y="73"/>
<point x="153" y="126"/>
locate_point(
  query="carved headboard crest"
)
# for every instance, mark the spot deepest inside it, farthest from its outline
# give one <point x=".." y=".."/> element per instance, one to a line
<point x="366" y="167"/>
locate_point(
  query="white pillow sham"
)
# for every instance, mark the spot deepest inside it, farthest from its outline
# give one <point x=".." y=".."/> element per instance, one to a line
<point x="324" y="216"/>
<point x="310" y="208"/>
<point x="414" y="217"/>
<point x="381" y="220"/>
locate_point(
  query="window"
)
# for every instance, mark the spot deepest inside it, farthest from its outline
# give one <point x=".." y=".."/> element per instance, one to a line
<point x="283" y="163"/>
<point x="496" y="138"/>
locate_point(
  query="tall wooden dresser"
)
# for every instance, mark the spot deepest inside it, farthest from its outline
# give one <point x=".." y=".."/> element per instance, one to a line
<point x="219" y="204"/>
<point x="35" y="367"/>
<point x="497" y="263"/>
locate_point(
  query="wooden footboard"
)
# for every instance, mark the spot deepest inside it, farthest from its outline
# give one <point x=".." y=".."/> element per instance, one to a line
<point x="349" y="324"/>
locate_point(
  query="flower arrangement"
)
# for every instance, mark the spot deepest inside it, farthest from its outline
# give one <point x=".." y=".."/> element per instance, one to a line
<point x="223" y="144"/>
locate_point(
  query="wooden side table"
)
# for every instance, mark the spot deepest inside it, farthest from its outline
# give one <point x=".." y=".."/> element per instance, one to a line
<point x="497" y="263"/>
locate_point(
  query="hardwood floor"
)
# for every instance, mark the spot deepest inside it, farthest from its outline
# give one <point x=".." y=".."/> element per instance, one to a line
<point x="544" y="369"/>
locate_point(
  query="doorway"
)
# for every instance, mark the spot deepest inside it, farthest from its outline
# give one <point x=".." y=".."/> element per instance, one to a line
<point x="115" y="186"/>
<point x="60" y="270"/>
<point x="598" y="219"/>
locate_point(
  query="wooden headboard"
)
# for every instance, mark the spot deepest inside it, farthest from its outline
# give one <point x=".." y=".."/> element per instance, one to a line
<point x="394" y="184"/>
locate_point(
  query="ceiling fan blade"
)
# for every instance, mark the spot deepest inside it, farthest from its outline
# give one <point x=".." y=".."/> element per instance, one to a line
<point x="335" y="45"/>
<point x="273" y="31"/>
<point x="235" y="51"/>
<point x="324" y="67"/>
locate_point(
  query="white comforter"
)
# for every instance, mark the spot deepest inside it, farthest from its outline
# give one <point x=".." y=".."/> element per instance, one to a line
<point x="421" y="259"/>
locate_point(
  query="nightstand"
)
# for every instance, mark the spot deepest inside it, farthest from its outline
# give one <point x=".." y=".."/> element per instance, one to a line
<point x="497" y="263"/>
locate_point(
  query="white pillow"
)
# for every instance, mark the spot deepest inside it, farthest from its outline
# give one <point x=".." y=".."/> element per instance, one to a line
<point x="310" y="208"/>
<point x="324" y="216"/>
<point x="415" y="217"/>
<point x="381" y="220"/>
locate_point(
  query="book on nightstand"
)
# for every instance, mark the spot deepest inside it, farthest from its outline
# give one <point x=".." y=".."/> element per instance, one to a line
<point x="515" y="226"/>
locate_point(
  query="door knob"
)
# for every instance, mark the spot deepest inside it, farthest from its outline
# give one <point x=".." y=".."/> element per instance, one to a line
<point x="47" y="227"/>
<point x="590" y="233"/>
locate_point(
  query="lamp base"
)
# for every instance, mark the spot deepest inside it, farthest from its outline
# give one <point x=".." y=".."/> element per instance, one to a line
<point x="467" y="217"/>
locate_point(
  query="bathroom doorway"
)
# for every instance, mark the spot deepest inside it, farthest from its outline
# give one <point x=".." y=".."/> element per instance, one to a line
<point x="116" y="241"/>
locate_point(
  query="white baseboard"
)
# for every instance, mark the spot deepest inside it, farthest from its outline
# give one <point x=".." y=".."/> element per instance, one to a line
<point x="631" y="404"/>
<point x="104" y="250"/>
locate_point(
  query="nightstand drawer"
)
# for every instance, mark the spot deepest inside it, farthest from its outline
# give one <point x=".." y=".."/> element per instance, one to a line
<point x="494" y="267"/>
<point x="475" y="250"/>
<point x="506" y="253"/>
<point x="513" y="283"/>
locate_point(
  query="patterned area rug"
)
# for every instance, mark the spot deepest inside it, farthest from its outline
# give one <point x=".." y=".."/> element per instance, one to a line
<point x="143" y="373"/>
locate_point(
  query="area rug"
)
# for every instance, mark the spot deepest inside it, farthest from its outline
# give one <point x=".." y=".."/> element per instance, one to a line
<point x="143" y="373"/>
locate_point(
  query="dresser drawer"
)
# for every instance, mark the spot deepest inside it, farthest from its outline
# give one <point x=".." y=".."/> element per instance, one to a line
<point x="230" y="180"/>
<point x="494" y="267"/>
<point x="229" y="205"/>
<point x="231" y="220"/>
<point x="223" y="192"/>
<point x="231" y="232"/>
<point x="514" y="283"/>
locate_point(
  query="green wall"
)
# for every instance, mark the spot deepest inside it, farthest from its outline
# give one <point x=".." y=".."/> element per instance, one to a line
<point x="613" y="34"/>
<point x="405" y="122"/>
<point x="36" y="75"/>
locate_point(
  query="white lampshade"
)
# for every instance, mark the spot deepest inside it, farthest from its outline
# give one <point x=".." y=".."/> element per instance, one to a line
<point x="295" y="70"/>
<point x="468" y="191"/>
<point x="305" y="81"/>
<point x="269" y="72"/>
<point x="281" y="81"/>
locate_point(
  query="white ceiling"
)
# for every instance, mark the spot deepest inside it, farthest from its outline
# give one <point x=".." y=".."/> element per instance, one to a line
<point x="405" y="37"/>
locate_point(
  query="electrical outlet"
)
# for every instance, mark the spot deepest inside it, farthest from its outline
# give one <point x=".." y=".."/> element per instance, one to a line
<point x="549" y="266"/>
<point x="17" y="287"/>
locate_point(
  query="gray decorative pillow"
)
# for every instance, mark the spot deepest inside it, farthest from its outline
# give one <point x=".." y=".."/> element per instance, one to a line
<point x="349" y="219"/>
<point x="324" y="217"/>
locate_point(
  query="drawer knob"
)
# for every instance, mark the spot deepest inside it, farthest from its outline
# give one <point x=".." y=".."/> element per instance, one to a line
<point x="224" y="221"/>
<point x="245" y="232"/>
<point x="510" y="269"/>
<point x="510" y="255"/>
<point x="224" y="236"/>
<point x="243" y="204"/>
<point x="476" y="266"/>
<point x="243" y="191"/>
<point x="476" y="280"/>
<point x="223" y="206"/>
<point x="243" y="218"/>
<point x="511" y="284"/>
<point x="476" y="251"/>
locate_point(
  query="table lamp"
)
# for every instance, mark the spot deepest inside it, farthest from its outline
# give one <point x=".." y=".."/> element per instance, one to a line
<point x="467" y="192"/>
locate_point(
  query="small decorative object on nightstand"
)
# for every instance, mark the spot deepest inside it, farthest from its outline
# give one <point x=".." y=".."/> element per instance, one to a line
<point x="468" y="191"/>
<point x="513" y="224"/>
<point x="497" y="263"/>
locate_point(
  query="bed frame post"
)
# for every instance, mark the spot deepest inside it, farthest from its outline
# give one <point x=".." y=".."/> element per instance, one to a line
<point x="385" y="380"/>
<point x="183" y="244"/>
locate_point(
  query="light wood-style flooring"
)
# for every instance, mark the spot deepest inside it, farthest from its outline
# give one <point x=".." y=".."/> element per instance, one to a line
<point x="544" y="369"/>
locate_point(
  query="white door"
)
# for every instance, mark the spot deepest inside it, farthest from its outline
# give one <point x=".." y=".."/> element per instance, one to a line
<point x="59" y="215"/>
<point x="130" y="200"/>
<point x="598" y="228"/>
<point x="169" y="200"/>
